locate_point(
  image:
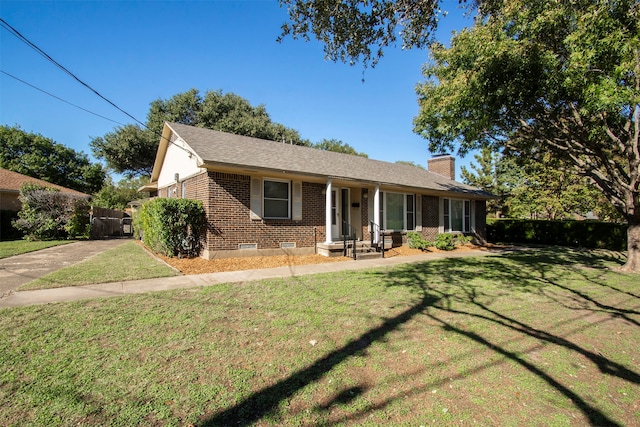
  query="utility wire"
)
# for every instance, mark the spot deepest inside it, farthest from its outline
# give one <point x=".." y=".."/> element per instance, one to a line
<point x="58" y="98"/>
<point x="17" y="34"/>
<point x="22" y="38"/>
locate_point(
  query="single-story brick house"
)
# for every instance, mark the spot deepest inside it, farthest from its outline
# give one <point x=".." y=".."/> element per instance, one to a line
<point x="263" y="197"/>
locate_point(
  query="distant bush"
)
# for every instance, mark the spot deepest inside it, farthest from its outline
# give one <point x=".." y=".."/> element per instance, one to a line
<point x="443" y="242"/>
<point x="171" y="226"/>
<point x="49" y="214"/>
<point x="449" y="241"/>
<point x="585" y="234"/>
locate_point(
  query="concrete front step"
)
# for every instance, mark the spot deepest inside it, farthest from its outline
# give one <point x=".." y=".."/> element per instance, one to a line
<point x="363" y="249"/>
<point x="368" y="255"/>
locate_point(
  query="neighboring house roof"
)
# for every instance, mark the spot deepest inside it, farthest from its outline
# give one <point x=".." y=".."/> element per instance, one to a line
<point x="215" y="148"/>
<point x="11" y="182"/>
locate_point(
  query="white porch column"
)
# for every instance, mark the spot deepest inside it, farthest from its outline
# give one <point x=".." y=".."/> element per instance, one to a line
<point x="327" y="217"/>
<point x="376" y="214"/>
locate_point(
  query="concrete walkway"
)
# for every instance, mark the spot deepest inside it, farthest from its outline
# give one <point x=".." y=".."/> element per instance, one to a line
<point x="20" y="269"/>
<point x="45" y="296"/>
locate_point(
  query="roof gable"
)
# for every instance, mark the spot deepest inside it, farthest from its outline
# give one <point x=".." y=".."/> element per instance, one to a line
<point x="217" y="148"/>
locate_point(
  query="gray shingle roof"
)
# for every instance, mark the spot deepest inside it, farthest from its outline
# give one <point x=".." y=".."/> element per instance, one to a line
<point x="221" y="148"/>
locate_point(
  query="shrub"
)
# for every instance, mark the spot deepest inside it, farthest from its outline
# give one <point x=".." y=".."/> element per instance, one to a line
<point x="49" y="214"/>
<point x="416" y="241"/>
<point x="443" y="242"/>
<point x="585" y="234"/>
<point x="448" y="241"/>
<point x="171" y="226"/>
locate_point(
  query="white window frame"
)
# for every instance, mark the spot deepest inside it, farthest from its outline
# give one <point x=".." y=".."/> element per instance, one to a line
<point x="467" y="216"/>
<point x="288" y="199"/>
<point x="383" y="210"/>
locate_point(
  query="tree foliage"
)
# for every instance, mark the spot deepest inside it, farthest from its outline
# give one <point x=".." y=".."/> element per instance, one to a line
<point x="411" y="163"/>
<point x="118" y="196"/>
<point x="39" y="157"/>
<point x="549" y="189"/>
<point x="355" y="31"/>
<point x="49" y="214"/>
<point x="534" y="188"/>
<point x="546" y="77"/>
<point x="131" y="149"/>
<point x="338" y="147"/>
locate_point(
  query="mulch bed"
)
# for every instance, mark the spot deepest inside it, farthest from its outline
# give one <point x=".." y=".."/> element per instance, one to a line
<point x="200" y="265"/>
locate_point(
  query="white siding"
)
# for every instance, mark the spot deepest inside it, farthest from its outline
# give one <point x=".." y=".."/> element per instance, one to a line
<point x="177" y="161"/>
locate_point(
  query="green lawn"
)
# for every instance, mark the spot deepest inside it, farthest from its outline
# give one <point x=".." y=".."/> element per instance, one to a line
<point x="126" y="262"/>
<point x="545" y="338"/>
<point x="16" y="247"/>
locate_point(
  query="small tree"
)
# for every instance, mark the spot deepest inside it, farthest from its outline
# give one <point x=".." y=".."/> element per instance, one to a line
<point x="49" y="214"/>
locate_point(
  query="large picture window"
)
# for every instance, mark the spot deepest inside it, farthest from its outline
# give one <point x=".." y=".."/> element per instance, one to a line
<point x="397" y="211"/>
<point x="456" y="215"/>
<point x="276" y="199"/>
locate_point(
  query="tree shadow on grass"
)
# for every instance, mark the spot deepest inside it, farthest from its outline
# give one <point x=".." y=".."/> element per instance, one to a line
<point x="442" y="286"/>
<point x="265" y="401"/>
<point x="534" y="274"/>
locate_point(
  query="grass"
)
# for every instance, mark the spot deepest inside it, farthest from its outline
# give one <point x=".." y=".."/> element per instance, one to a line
<point x="534" y="338"/>
<point x="16" y="247"/>
<point x="126" y="262"/>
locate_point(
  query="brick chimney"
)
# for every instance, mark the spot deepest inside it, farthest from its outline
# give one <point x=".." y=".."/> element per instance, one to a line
<point x="443" y="164"/>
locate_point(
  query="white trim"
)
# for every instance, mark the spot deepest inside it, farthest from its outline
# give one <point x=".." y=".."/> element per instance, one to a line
<point x="385" y="200"/>
<point x="296" y="200"/>
<point x="376" y="214"/>
<point x="470" y="227"/>
<point x="256" y="199"/>
<point x="418" y="207"/>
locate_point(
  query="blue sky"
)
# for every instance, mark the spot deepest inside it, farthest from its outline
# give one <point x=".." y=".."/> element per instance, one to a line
<point x="136" y="52"/>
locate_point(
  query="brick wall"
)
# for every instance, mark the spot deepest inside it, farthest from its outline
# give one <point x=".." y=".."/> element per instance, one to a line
<point x="364" y="215"/>
<point x="228" y="212"/>
<point x="430" y="217"/>
<point x="226" y="200"/>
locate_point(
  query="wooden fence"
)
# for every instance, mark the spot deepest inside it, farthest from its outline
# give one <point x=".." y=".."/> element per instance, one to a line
<point x="110" y="223"/>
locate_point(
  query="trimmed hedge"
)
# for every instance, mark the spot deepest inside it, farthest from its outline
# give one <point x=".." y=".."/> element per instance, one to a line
<point x="583" y="234"/>
<point x="171" y="226"/>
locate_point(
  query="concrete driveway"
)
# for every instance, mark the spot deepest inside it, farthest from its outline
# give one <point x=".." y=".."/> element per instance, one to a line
<point x="20" y="269"/>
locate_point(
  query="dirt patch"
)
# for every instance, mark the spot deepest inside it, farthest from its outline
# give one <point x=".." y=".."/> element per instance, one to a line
<point x="201" y="266"/>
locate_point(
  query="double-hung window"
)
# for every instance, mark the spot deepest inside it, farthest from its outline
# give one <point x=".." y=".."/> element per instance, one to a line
<point x="397" y="211"/>
<point x="276" y="199"/>
<point x="456" y="215"/>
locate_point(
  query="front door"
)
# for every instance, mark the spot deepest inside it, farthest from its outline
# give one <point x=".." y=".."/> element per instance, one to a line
<point x="339" y="212"/>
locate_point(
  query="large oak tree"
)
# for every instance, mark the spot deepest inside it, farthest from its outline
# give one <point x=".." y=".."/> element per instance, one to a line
<point x="535" y="76"/>
<point x="131" y="149"/>
<point x="542" y="77"/>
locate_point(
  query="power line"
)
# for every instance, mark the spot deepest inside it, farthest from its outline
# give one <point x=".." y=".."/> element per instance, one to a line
<point x="17" y="34"/>
<point x="58" y="98"/>
<point x="22" y="38"/>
